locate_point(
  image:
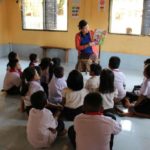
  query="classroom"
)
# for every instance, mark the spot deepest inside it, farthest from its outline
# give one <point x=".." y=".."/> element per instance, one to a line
<point x="52" y="31"/>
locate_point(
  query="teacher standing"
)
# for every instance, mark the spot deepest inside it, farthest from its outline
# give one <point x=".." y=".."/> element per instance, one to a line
<point x="87" y="50"/>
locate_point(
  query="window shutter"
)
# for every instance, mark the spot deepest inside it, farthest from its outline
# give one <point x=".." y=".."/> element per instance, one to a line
<point x="146" y="18"/>
<point x="50" y="14"/>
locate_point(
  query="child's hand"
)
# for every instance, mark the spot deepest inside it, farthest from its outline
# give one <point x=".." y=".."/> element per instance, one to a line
<point x="60" y="107"/>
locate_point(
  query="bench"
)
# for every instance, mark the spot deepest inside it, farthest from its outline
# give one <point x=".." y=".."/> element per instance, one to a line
<point x="46" y="48"/>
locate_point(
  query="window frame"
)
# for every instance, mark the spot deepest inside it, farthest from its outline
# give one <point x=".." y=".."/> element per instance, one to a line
<point x="109" y="22"/>
<point x="22" y="18"/>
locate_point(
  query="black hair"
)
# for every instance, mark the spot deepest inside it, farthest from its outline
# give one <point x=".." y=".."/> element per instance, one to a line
<point x="29" y="73"/>
<point x="114" y="62"/>
<point x="27" y="76"/>
<point x="33" y="57"/>
<point x="45" y="63"/>
<point x="12" y="56"/>
<point x="13" y="63"/>
<point x="147" y="71"/>
<point x="96" y="69"/>
<point x="56" y="61"/>
<point x="38" y="100"/>
<point x="75" y="80"/>
<point x="92" y="102"/>
<point x="82" y="24"/>
<point x="147" y="61"/>
<point x="106" y="81"/>
<point x="58" y="72"/>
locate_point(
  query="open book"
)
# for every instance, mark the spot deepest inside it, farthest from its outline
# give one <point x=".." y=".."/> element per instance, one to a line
<point x="99" y="36"/>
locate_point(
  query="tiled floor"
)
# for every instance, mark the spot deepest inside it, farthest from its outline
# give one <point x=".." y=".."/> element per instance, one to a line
<point x="135" y="134"/>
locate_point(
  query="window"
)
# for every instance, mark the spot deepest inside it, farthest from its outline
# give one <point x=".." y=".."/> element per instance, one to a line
<point x="44" y="14"/>
<point x="130" y="17"/>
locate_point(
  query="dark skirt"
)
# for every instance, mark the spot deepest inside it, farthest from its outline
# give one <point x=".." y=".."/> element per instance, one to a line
<point x="143" y="107"/>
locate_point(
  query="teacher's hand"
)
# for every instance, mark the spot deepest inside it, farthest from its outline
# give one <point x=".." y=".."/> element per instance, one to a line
<point x="91" y="43"/>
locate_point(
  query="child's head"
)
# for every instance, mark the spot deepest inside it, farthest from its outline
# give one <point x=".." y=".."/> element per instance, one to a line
<point x="12" y="56"/>
<point x="75" y="80"/>
<point x="33" y="57"/>
<point x="147" y="71"/>
<point x="114" y="62"/>
<point x="92" y="102"/>
<point x="106" y="81"/>
<point x="38" y="100"/>
<point x="59" y="72"/>
<point x="45" y="63"/>
<point x="14" y="64"/>
<point x="56" y="61"/>
<point x="147" y="61"/>
<point x="30" y="74"/>
<point x="95" y="69"/>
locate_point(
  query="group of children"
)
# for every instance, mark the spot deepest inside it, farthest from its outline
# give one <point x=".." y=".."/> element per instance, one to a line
<point x="48" y="98"/>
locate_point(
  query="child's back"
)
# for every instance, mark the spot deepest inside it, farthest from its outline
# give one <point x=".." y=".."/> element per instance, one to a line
<point x="41" y="122"/>
<point x="93" y="130"/>
<point x="37" y="128"/>
<point x="12" y="80"/>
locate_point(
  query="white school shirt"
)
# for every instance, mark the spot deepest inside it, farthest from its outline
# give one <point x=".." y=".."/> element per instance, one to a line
<point x="74" y="99"/>
<point x="145" y="88"/>
<point x="34" y="86"/>
<point x="38" y="134"/>
<point x="92" y="84"/>
<point x="108" y="99"/>
<point x="93" y="132"/>
<point x="55" y="88"/>
<point x="11" y="79"/>
<point x="119" y="83"/>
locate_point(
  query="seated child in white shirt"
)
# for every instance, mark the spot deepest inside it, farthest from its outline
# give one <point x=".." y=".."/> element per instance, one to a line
<point x="92" y="84"/>
<point x="44" y="76"/>
<point x="92" y="130"/>
<point x="56" y="61"/>
<point x="42" y="126"/>
<point x="11" y="57"/>
<point x="119" y="81"/>
<point x="30" y="85"/>
<point x="142" y="106"/>
<point x="107" y="90"/>
<point x="73" y="96"/>
<point x="12" y="80"/>
<point x="34" y="62"/>
<point x="56" y="85"/>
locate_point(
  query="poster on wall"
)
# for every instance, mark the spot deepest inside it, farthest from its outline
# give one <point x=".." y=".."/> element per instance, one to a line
<point x="75" y="8"/>
<point x="101" y="4"/>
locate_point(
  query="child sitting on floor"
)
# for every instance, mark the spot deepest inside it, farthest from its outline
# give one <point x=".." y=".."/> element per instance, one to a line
<point x="56" y="85"/>
<point x="107" y="90"/>
<point x="93" y="130"/>
<point x="73" y="95"/>
<point x="12" y="80"/>
<point x="11" y="57"/>
<point x="34" y="62"/>
<point x="30" y="85"/>
<point x="56" y="61"/>
<point x="119" y="81"/>
<point x="92" y="84"/>
<point x="142" y="106"/>
<point x="44" y="67"/>
<point x="42" y="126"/>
